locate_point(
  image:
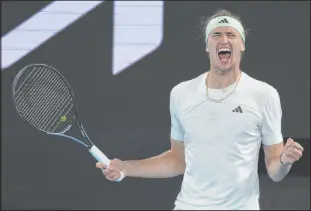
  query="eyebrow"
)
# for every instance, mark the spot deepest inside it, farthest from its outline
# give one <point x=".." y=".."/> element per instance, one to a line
<point x="223" y="32"/>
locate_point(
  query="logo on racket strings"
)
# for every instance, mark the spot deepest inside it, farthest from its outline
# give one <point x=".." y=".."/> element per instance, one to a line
<point x="63" y="119"/>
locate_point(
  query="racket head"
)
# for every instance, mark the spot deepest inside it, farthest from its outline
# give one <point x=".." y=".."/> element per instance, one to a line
<point x="44" y="99"/>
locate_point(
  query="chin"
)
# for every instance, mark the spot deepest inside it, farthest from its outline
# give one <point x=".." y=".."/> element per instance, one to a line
<point x="224" y="68"/>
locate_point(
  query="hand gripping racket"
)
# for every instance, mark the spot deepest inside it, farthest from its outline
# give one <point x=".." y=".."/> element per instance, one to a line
<point x="44" y="99"/>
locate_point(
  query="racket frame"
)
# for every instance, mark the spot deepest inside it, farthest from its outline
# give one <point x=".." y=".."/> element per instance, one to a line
<point x="96" y="153"/>
<point x="75" y="109"/>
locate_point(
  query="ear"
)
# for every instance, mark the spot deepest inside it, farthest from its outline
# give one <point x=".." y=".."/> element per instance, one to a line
<point x="242" y="47"/>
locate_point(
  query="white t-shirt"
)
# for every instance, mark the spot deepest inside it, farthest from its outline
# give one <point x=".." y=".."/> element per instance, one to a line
<point x="222" y="141"/>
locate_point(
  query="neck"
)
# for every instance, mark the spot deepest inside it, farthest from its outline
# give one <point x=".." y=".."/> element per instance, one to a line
<point x="221" y="79"/>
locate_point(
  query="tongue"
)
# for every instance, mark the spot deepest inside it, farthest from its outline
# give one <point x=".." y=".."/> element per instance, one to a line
<point x="224" y="56"/>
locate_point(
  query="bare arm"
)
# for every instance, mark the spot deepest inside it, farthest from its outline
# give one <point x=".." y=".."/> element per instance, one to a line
<point x="168" y="164"/>
<point x="279" y="159"/>
<point x="276" y="170"/>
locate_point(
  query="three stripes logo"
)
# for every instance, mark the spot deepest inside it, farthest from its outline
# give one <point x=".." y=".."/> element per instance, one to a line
<point x="238" y="110"/>
<point x="223" y="21"/>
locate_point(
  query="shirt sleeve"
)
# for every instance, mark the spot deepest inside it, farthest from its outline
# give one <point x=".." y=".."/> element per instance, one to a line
<point x="177" y="132"/>
<point x="271" y="119"/>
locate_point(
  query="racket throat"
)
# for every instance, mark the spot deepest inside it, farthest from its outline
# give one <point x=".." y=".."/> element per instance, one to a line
<point x="86" y="137"/>
<point x="84" y="134"/>
<point x="89" y="146"/>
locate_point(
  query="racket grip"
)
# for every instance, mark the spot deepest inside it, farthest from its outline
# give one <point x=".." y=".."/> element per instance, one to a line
<point x="102" y="158"/>
<point x="99" y="155"/>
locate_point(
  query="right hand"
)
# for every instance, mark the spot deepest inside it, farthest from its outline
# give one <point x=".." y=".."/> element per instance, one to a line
<point x="113" y="171"/>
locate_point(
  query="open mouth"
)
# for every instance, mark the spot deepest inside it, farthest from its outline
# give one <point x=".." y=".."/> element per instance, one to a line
<point x="224" y="53"/>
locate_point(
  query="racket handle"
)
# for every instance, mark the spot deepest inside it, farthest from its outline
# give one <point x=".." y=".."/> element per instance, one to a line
<point x="99" y="155"/>
<point x="102" y="158"/>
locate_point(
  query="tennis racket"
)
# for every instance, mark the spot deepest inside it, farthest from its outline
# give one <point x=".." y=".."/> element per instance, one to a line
<point x="44" y="99"/>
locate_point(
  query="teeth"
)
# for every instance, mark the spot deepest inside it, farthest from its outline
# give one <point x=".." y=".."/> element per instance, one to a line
<point x="224" y="49"/>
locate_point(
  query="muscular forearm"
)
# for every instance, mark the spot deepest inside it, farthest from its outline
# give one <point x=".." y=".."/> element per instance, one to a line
<point x="161" y="166"/>
<point x="276" y="170"/>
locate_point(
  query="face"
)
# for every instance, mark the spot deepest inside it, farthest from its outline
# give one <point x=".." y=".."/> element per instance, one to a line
<point x="225" y="46"/>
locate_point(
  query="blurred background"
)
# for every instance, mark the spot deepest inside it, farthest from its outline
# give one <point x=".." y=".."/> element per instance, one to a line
<point x="122" y="59"/>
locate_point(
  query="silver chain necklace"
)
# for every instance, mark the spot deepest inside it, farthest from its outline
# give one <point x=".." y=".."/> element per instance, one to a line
<point x="221" y="99"/>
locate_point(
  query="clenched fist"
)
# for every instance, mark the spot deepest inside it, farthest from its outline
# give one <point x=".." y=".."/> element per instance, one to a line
<point x="115" y="170"/>
<point x="292" y="152"/>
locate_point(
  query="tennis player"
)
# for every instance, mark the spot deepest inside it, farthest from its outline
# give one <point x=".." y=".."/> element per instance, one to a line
<point x="219" y="120"/>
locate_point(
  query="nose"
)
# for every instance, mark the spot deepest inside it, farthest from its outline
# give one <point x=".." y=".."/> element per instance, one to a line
<point x="224" y="39"/>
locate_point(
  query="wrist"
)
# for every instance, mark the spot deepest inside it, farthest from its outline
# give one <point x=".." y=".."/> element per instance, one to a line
<point x="125" y="167"/>
<point x="283" y="160"/>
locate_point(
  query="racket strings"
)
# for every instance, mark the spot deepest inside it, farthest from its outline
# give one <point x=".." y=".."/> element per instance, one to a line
<point x="47" y="106"/>
<point x="56" y="123"/>
<point x="60" y="125"/>
<point x="44" y="100"/>
<point x="20" y="83"/>
<point x="23" y="96"/>
<point x="24" y="99"/>
<point x="25" y="84"/>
